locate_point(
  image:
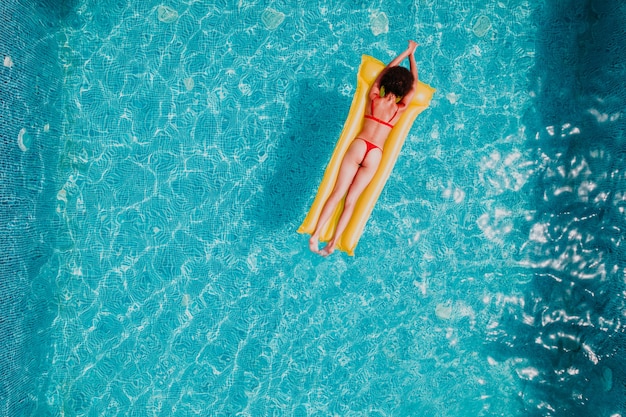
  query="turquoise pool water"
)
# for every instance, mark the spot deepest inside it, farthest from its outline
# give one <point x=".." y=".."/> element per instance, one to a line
<point x="489" y="280"/>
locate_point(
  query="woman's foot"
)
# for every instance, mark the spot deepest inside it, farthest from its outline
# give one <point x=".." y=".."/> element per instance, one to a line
<point x="314" y="244"/>
<point x="328" y="249"/>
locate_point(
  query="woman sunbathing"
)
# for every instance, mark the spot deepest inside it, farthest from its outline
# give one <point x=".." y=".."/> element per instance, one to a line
<point x="388" y="98"/>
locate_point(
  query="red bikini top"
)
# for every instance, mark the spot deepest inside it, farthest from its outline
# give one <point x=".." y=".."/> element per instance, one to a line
<point x="376" y="119"/>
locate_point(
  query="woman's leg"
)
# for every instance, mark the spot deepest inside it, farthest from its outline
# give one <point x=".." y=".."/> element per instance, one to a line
<point x="363" y="177"/>
<point x="347" y="172"/>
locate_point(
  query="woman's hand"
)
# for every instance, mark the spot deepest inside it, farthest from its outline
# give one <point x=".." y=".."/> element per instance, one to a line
<point x="412" y="46"/>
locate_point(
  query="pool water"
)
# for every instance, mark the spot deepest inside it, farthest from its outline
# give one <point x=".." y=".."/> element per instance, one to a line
<point x="489" y="280"/>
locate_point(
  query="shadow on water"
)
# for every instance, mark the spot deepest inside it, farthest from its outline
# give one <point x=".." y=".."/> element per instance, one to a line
<point x="569" y="332"/>
<point x="302" y="154"/>
<point x="57" y="9"/>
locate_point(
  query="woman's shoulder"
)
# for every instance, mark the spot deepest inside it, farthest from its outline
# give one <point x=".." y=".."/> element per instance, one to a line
<point x="374" y="92"/>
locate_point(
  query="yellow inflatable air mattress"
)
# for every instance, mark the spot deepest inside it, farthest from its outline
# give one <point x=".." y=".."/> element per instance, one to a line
<point x="368" y="71"/>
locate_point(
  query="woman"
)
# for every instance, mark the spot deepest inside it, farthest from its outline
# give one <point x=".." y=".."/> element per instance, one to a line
<point x="388" y="98"/>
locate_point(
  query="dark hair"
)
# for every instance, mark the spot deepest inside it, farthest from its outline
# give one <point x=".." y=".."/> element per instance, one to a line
<point x="397" y="80"/>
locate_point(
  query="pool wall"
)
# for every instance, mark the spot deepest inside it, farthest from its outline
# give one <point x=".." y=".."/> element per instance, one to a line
<point x="30" y="126"/>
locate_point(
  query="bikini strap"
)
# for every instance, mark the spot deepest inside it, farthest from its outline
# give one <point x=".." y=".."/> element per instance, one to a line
<point x="394" y="115"/>
<point x="372" y="112"/>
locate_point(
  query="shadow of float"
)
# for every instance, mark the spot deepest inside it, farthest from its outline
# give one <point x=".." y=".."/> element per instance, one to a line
<point x="302" y="154"/>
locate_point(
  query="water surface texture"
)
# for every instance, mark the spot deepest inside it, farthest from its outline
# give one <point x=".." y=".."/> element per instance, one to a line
<point x="489" y="280"/>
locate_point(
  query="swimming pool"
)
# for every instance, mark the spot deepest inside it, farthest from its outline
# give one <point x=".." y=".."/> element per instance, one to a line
<point x="165" y="153"/>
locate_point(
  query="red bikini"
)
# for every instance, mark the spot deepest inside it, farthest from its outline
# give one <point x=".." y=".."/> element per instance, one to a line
<point x="376" y="119"/>
<point x="369" y="145"/>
